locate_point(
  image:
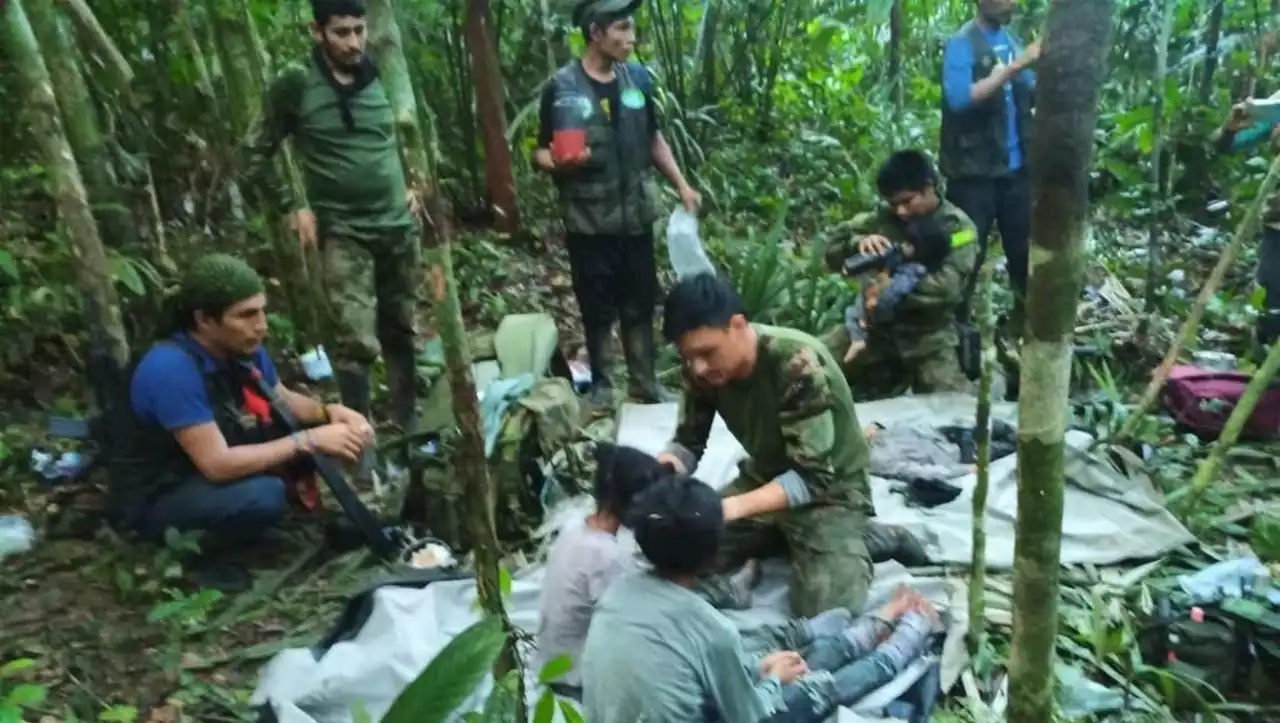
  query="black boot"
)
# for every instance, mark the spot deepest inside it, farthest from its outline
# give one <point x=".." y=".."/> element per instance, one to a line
<point x="402" y="386"/>
<point x="355" y="386"/>
<point x="642" y="382"/>
<point x="891" y="542"/>
<point x="597" y="343"/>
<point x="1266" y="334"/>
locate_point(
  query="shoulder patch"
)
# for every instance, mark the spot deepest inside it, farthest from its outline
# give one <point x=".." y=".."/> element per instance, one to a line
<point x="805" y="387"/>
<point x="963" y="237"/>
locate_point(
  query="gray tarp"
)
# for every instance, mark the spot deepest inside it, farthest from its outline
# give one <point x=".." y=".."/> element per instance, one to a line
<point x="1109" y="518"/>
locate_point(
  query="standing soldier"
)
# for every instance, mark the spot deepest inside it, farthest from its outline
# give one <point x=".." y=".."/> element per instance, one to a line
<point x="357" y="206"/>
<point x="598" y="139"/>
<point x="987" y="98"/>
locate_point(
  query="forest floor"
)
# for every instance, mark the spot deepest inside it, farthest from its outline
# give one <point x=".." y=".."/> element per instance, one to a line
<point x="115" y="634"/>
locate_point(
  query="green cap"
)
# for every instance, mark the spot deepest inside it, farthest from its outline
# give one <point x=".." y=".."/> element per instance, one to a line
<point x="592" y="10"/>
<point x="217" y="281"/>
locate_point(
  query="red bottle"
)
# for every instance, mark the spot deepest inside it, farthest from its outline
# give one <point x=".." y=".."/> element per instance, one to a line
<point x="569" y="128"/>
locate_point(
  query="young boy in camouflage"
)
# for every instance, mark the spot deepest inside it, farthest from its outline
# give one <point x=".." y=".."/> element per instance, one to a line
<point x="357" y="206"/>
<point x="906" y="336"/>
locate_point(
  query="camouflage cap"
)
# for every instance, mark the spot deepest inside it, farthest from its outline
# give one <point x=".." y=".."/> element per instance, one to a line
<point x="592" y="10"/>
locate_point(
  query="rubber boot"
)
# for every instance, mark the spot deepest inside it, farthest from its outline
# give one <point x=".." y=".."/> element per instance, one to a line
<point x="600" y="393"/>
<point x="891" y="542"/>
<point x="642" y="382"/>
<point x="402" y="386"/>
<point x="356" y="389"/>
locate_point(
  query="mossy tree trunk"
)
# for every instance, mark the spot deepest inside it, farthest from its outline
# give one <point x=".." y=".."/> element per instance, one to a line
<point x="982" y="435"/>
<point x="469" y="461"/>
<point x="108" y="345"/>
<point x="1071" y="71"/>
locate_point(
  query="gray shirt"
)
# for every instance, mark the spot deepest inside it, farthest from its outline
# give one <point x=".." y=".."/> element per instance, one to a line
<point x="658" y="652"/>
<point x="582" y="563"/>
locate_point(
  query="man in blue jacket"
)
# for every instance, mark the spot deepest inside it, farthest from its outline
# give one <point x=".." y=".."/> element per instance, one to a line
<point x="987" y="99"/>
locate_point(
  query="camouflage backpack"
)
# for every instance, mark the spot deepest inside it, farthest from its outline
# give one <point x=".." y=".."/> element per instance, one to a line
<point x="523" y="435"/>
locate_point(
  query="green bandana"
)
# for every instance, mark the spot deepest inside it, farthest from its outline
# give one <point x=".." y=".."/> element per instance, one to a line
<point x="217" y="281"/>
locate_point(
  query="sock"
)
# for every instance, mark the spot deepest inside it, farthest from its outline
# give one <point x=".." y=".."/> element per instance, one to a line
<point x="828" y="623"/>
<point x="907" y="641"/>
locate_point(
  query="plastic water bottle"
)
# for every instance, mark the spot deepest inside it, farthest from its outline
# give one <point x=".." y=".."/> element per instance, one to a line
<point x="684" y="248"/>
<point x="16" y="535"/>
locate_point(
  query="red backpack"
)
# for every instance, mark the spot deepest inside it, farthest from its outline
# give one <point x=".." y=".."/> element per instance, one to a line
<point x="1201" y="400"/>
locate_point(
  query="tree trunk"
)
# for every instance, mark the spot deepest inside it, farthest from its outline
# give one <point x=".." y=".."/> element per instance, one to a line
<point x="487" y="76"/>
<point x="108" y="345"/>
<point x="1157" y="198"/>
<point x="896" y="18"/>
<point x="1212" y="37"/>
<point x="982" y="435"/>
<point x="80" y="120"/>
<point x="1071" y="70"/>
<point x="111" y="57"/>
<point x="469" y="461"/>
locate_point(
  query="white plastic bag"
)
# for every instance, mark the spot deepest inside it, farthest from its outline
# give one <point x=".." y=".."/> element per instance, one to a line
<point x="684" y="248"/>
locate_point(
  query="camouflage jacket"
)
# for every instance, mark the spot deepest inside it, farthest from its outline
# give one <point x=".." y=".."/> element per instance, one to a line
<point x="926" y="308"/>
<point x="1252" y="137"/>
<point x="794" y="416"/>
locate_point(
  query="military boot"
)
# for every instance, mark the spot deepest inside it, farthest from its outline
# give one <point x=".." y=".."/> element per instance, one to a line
<point x="1266" y="334"/>
<point x="356" y="388"/>
<point x="402" y="386"/>
<point x="642" y="382"/>
<point x="597" y="343"/>
<point x="891" y="542"/>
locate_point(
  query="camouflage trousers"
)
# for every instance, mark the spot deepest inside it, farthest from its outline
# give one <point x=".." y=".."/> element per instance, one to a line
<point x="884" y="368"/>
<point x="830" y="566"/>
<point x="371" y="283"/>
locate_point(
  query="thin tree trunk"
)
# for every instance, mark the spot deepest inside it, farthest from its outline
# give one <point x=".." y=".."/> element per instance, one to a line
<point x="469" y="461"/>
<point x="982" y="435"/>
<point x="112" y="59"/>
<point x="195" y="54"/>
<point x="1072" y="68"/>
<point x="108" y="344"/>
<point x="896" y="18"/>
<point x="487" y="76"/>
<point x="1157" y="202"/>
<point x="1212" y="37"/>
<point x="80" y="121"/>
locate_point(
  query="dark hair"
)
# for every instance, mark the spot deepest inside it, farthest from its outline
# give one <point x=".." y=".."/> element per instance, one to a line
<point x="931" y="241"/>
<point x="678" y="523"/>
<point x="699" y="301"/>
<point x="585" y="20"/>
<point x="326" y="10"/>
<point x="905" y="171"/>
<point x="621" y="474"/>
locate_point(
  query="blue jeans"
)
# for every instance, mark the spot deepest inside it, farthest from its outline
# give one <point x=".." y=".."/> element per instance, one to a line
<point x="234" y="511"/>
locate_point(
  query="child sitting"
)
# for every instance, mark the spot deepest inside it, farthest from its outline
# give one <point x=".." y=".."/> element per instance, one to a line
<point x="586" y="557"/>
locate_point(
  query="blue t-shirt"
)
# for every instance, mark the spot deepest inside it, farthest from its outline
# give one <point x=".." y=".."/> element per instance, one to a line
<point x="168" y="386"/>
<point x="957" y="79"/>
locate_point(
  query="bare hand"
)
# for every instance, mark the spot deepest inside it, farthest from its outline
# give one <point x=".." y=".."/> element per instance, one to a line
<point x="1030" y="55"/>
<point x="785" y="664"/>
<point x="350" y="417"/>
<point x="303" y="222"/>
<point x="904" y="599"/>
<point x="551" y="162"/>
<point x="338" y="440"/>
<point x="731" y="508"/>
<point x="1238" y="120"/>
<point x="873" y="245"/>
<point x="674" y="461"/>
<point x="855" y="348"/>
<point x="691" y="199"/>
<point x="415" y="203"/>
<point x="926" y="608"/>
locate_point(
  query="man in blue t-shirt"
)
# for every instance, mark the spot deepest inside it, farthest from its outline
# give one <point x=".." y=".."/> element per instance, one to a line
<point x="197" y="448"/>
<point x="987" y="99"/>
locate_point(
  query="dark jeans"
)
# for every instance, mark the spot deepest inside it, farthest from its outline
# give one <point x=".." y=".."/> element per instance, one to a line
<point x="1006" y="204"/>
<point x="1268" y="277"/>
<point x="615" y="278"/>
<point x="232" y="511"/>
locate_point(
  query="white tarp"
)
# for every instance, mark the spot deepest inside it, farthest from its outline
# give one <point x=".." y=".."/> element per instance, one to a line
<point x="1109" y="518"/>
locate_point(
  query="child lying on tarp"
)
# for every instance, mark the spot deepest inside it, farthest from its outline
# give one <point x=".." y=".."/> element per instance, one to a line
<point x="657" y="651"/>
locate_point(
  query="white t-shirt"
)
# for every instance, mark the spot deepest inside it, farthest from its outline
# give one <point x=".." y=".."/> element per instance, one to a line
<point x="582" y="563"/>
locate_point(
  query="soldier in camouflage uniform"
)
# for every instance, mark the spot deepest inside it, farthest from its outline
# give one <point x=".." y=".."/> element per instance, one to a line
<point x="1239" y="133"/>
<point x="607" y="201"/>
<point x="357" y="205"/>
<point x="804" y="489"/>
<point x="902" y="334"/>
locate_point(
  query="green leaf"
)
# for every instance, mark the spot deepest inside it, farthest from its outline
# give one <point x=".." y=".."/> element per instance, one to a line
<point x="13" y="667"/>
<point x="9" y="266"/>
<point x="120" y="714"/>
<point x="504" y="582"/>
<point x="555" y="669"/>
<point x="570" y="713"/>
<point x="451" y="677"/>
<point x="25" y="696"/>
<point x="359" y="714"/>
<point x="545" y="712"/>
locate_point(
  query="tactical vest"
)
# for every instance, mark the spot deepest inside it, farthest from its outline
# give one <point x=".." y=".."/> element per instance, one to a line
<point x="146" y="459"/>
<point x="973" y="141"/>
<point x="610" y="194"/>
